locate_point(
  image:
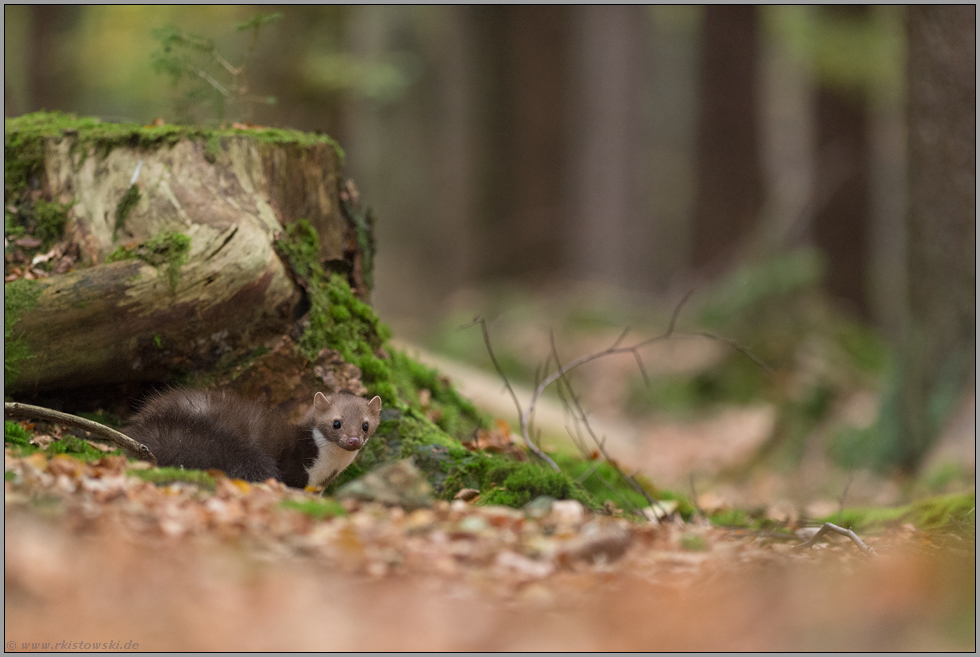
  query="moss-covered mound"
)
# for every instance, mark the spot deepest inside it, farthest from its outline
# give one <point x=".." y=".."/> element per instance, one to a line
<point x="338" y="320"/>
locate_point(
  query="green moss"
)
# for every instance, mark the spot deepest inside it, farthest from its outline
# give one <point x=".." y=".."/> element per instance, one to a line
<point x="950" y="512"/>
<point x="694" y="543"/>
<point x="604" y="483"/>
<point x="125" y="206"/>
<point x="15" y="434"/>
<point x="121" y="253"/>
<point x="213" y="148"/>
<point x="19" y="438"/>
<point x="25" y="136"/>
<point x="319" y="509"/>
<point x="18" y="297"/>
<point x="165" y="476"/>
<point x="515" y="484"/>
<point x="50" y="219"/>
<point x="167" y="250"/>
<point x="77" y="448"/>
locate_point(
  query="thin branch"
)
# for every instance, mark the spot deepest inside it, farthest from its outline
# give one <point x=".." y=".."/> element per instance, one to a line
<point x="204" y="75"/>
<point x="16" y="409"/>
<point x="581" y="415"/>
<point x="694" y="498"/>
<point x="745" y="351"/>
<point x="840" y="511"/>
<point x="830" y="527"/>
<point x="520" y="412"/>
<point x="677" y="311"/>
<point x="226" y="64"/>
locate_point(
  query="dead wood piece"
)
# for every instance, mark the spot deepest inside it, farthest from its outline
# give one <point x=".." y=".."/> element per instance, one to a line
<point x="830" y="527"/>
<point x="16" y="409"/>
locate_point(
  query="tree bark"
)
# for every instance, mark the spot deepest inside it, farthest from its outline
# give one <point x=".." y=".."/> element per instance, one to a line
<point x="939" y="347"/>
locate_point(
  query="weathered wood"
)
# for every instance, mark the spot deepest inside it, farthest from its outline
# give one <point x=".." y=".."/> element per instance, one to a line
<point x="144" y="318"/>
<point x="15" y="409"/>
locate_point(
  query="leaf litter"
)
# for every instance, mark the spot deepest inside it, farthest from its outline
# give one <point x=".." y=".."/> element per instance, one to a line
<point x="92" y="550"/>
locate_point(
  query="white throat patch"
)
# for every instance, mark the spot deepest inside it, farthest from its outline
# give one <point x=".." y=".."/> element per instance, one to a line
<point x="330" y="462"/>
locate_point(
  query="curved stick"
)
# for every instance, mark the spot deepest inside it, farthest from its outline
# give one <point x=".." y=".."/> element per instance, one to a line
<point x="16" y="409"/>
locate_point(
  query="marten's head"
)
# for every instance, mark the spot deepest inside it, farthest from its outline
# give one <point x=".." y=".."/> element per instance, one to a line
<point x="345" y="419"/>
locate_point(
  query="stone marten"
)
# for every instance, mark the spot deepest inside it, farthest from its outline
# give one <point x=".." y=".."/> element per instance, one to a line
<point x="206" y="429"/>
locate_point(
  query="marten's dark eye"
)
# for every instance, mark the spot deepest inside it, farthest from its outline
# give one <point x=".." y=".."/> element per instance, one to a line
<point x="365" y="427"/>
<point x="336" y="424"/>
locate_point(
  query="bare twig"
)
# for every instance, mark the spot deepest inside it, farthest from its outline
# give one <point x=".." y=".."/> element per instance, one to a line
<point x="580" y="416"/>
<point x="843" y="495"/>
<point x="831" y="527"/>
<point x="16" y="409"/>
<point x="694" y="498"/>
<point x="524" y="415"/>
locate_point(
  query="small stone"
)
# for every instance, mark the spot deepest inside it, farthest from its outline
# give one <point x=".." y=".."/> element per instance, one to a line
<point x="467" y="494"/>
<point x="660" y="511"/>
<point x="567" y="512"/>
<point x="398" y="483"/>
<point x="539" y="506"/>
<point x="608" y="542"/>
<point x="472" y="525"/>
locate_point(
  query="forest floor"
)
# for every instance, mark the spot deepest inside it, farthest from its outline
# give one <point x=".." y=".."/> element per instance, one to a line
<point x="97" y="555"/>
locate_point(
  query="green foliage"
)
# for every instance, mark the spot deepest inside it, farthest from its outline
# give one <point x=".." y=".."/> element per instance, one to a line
<point x="165" y="476"/>
<point x="125" y="206"/>
<point x="18" y="296"/>
<point x="855" y="52"/>
<point x="208" y="77"/>
<point x="760" y="282"/>
<point x="318" y="509"/>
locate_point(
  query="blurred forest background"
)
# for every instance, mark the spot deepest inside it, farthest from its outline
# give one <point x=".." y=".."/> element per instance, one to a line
<point x="580" y="168"/>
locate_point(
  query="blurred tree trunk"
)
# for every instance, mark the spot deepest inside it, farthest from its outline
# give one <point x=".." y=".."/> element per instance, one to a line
<point x="611" y="235"/>
<point x="729" y="185"/>
<point x="841" y="223"/>
<point x="50" y="86"/>
<point x="519" y="132"/>
<point x="940" y="335"/>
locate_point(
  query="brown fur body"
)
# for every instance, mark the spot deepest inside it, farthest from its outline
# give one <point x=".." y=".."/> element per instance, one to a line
<point x="205" y="429"/>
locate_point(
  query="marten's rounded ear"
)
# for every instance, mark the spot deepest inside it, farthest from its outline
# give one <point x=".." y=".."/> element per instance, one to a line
<point x="375" y="405"/>
<point x="320" y="402"/>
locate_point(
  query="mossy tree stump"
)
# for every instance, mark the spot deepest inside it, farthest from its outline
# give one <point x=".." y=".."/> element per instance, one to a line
<point x="178" y="228"/>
